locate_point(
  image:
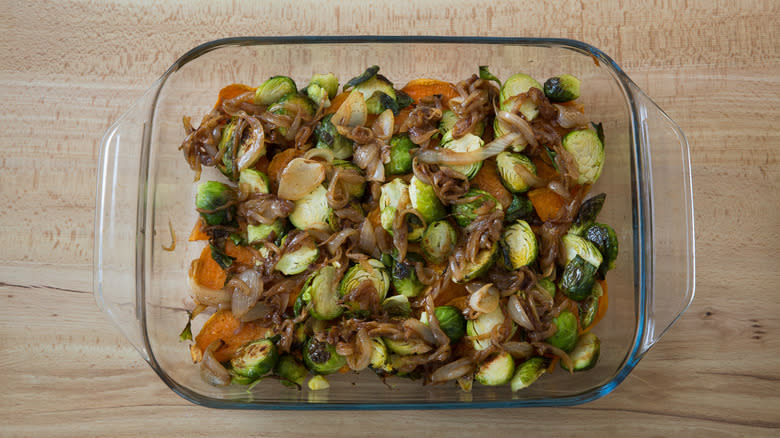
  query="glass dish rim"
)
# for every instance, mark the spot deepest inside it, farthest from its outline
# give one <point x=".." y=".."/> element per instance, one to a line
<point x="642" y="245"/>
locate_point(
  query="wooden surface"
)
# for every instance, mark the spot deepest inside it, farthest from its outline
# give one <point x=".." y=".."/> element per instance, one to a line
<point x="70" y="68"/>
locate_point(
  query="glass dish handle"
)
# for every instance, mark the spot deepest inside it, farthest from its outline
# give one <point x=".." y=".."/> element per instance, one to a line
<point x="116" y="221"/>
<point x="668" y="172"/>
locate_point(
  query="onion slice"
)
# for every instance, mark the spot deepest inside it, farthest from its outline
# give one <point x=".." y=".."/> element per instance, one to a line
<point x="446" y="156"/>
<point x="517" y="313"/>
<point x="299" y="178"/>
<point x="210" y="369"/>
<point x="452" y="370"/>
<point x="352" y="112"/>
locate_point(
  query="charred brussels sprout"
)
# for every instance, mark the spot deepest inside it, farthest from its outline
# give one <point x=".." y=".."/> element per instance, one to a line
<point x="586" y="216"/>
<point x="605" y="239"/>
<point x="577" y="279"/>
<point x="212" y="200"/>
<point x="451" y="322"/>
<point x="482" y="262"/>
<point x="547" y="286"/>
<point x="397" y="305"/>
<point x="566" y="335"/>
<point x="405" y="281"/>
<point x="379" y="355"/>
<point x="255" y="358"/>
<point x="290" y="370"/>
<point x="589" y="307"/>
<point x="406" y="348"/>
<point x="297" y="261"/>
<point x="372" y="271"/>
<point x="562" y="88"/>
<point x="329" y="138"/>
<point x="274" y="89"/>
<point x="438" y="241"/>
<point x="518" y="84"/>
<point x="518" y="245"/>
<point x="588" y="152"/>
<point x="513" y="168"/>
<point x="321" y="357"/>
<point x="389" y="199"/>
<point x="292" y="105"/>
<point x="467" y="143"/>
<point x="260" y="232"/>
<point x="320" y="294"/>
<point x="528" y="372"/>
<point x="465" y="212"/>
<point x="377" y="91"/>
<point x="496" y="370"/>
<point x="253" y="181"/>
<point x="575" y="245"/>
<point x="483" y="325"/>
<point x="424" y="200"/>
<point x="322" y="88"/>
<point x="400" y="155"/>
<point x="585" y="353"/>
<point x="520" y="208"/>
<point x="312" y="211"/>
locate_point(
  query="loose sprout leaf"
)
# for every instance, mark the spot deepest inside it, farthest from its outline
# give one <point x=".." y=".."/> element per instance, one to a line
<point x="402" y="99"/>
<point x="590" y="209"/>
<point x="368" y="74"/>
<point x="485" y="74"/>
<point x="599" y="128"/>
<point x="223" y="260"/>
<point x="388" y="102"/>
<point x="186" y="334"/>
<point x="236" y="238"/>
<point x="552" y="154"/>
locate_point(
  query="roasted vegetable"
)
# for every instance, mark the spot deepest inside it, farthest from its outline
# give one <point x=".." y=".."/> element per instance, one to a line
<point x="585" y="353"/>
<point x="255" y="359"/>
<point x="372" y="271"/>
<point x="496" y="370"/>
<point x="520" y="208"/>
<point x="391" y="195"/>
<point x="467" y="143"/>
<point x="400" y="155"/>
<point x="438" y="241"/>
<point x="329" y="138"/>
<point x="589" y="210"/>
<point x="320" y="294"/>
<point x="297" y="261"/>
<point x="321" y="357"/>
<point x="518" y="245"/>
<point x="424" y="200"/>
<point x="589" y="307"/>
<point x="406" y="348"/>
<point x="605" y="239"/>
<point x="312" y="211"/>
<point x="405" y="280"/>
<point x="274" y="89"/>
<point x="566" y="335"/>
<point x="214" y="202"/>
<point x="588" y="152"/>
<point x="575" y="245"/>
<point x="482" y="262"/>
<point x="577" y="279"/>
<point x="483" y="325"/>
<point x="528" y="372"/>
<point x="290" y="370"/>
<point x="513" y="170"/>
<point x="465" y="212"/>
<point x="397" y="305"/>
<point x="562" y="88"/>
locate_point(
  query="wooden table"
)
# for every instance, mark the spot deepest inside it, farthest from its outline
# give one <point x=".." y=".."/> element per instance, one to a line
<point x="70" y="68"/>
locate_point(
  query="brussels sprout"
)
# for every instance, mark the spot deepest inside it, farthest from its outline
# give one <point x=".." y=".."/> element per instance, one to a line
<point x="320" y="294"/>
<point x="483" y="325"/>
<point x="329" y="138"/>
<point x="588" y="152"/>
<point x="405" y="280"/>
<point x="485" y="74"/>
<point x="321" y="357"/>
<point x="577" y="279"/>
<point x="318" y="95"/>
<point x="397" y="305"/>
<point x="451" y="322"/>
<point x="575" y="245"/>
<point x="589" y="307"/>
<point x="586" y="216"/>
<point x="520" y="208"/>
<point x="465" y="212"/>
<point x="562" y="88"/>
<point x="379" y="355"/>
<point x="379" y="95"/>
<point x="496" y="370"/>
<point x="400" y="155"/>
<point x="355" y="190"/>
<point x="290" y="370"/>
<point x="566" y="335"/>
<point x="366" y="75"/>
<point x="424" y="200"/>
<point x="373" y="271"/>
<point x="255" y="358"/>
<point x="312" y="211"/>
<point x="406" y="348"/>
<point x="260" y="232"/>
<point x="527" y="372"/>
<point x="438" y="241"/>
<point x="605" y="239"/>
<point x="547" y="285"/>
<point x="211" y="198"/>
<point x="483" y="261"/>
<point x="235" y="160"/>
<point x="253" y="181"/>
<point x="318" y="383"/>
<point x="274" y="89"/>
<point x="390" y="197"/>
<point x="510" y="172"/>
<point x="329" y="82"/>
<point x="295" y="262"/>
<point x="447" y="122"/>
<point x="585" y="353"/>
<point x="518" y="84"/>
<point x="292" y="101"/>
<point x="467" y="143"/>
<point x="238" y="379"/>
<point x="299" y="335"/>
<point x="518" y="244"/>
<point x="220" y="257"/>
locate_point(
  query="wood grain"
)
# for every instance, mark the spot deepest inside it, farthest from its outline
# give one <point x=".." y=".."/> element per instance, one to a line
<point x="70" y="68"/>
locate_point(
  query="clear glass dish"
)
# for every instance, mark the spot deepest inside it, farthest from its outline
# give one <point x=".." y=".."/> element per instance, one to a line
<point x="144" y="183"/>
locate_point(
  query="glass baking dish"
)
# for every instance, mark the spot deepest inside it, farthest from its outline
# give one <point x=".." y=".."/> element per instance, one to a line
<point x="144" y="183"/>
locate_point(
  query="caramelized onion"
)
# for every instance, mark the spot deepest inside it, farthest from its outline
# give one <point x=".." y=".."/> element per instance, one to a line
<point x="484" y="299"/>
<point x="515" y="310"/>
<point x="569" y="117"/>
<point x="452" y="370"/>
<point x="299" y="178"/>
<point x="449" y="157"/>
<point x="352" y="112"/>
<point x="210" y="369"/>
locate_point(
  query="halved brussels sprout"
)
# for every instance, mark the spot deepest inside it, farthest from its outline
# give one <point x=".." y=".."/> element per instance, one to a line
<point x="589" y="307"/>
<point x="520" y="208"/>
<point x="328" y="137"/>
<point x="586" y="216"/>
<point x="295" y="262"/>
<point x="318" y="383"/>
<point x="255" y="358"/>
<point x="379" y="355"/>
<point x="467" y="143"/>
<point x="291" y="105"/>
<point x="585" y="353"/>
<point x="260" y="232"/>
<point x="483" y="325"/>
<point x="312" y="211"/>
<point x="562" y="88"/>
<point x="438" y="241"/>
<point x="372" y="89"/>
<point x="518" y="244"/>
<point x="512" y="168"/>
<point x="321" y="294"/>
<point x="484" y="260"/>
<point x="566" y="336"/>
<point x="321" y="357"/>
<point x="528" y="372"/>
<point x="355" y="190"/>
<point x="366" y="75"/>
<point x="576" y="245"/>
<point x="448" y="121"/>
<point x="253" y="181"/>
<point x="390" y="197"/>
<point x="405" y="280"/>
<point x="400" y="155"/>
<point x="465" y="212"/>
<point x="577" y="279"/>
<point x="290" y="370"/>
<point x="424" y="200"/>
<point x="211" y="198"/>
<point x="397" y="305"/>
<point x="605" y="239"/>
<point x="274" y="89"/>
<point x="518" y="84"/>
<point x="547" y="285"/>
<point x="406" y="348"/>
<point x="496" y="370"/>
<point x="329" y="82"/>
<point x="451" y="322"/>
<point x="373" y="271"/>
<point x="588" y="152"/>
